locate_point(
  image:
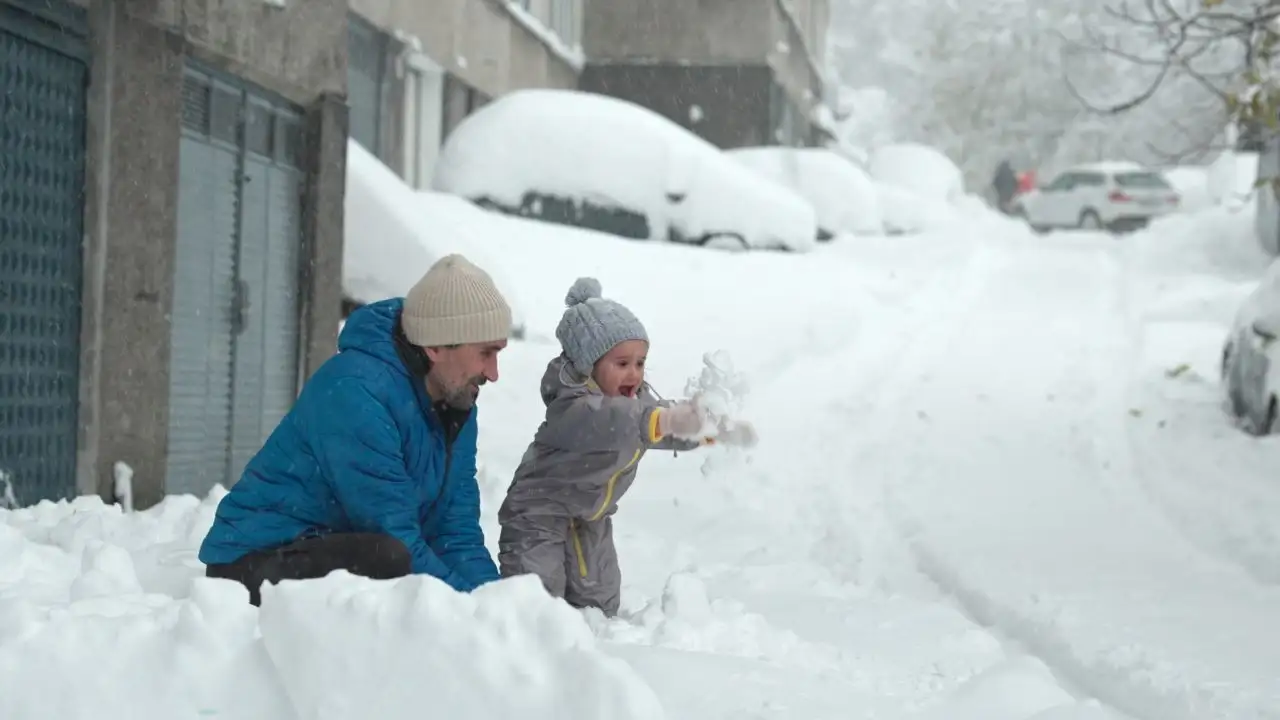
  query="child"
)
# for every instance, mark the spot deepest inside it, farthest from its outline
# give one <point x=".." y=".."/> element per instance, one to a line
<point x="601" y="418"/>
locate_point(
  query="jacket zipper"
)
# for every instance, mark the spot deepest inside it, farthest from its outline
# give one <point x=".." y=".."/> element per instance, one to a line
<point x="609" y="488"/>
<point x="577" y="547"/>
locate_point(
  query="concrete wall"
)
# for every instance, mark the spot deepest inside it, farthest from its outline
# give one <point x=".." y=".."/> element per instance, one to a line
<point x="733" y="101"/>
<point x="694" y="31"/>
<point x="710" y="34"/>
<point x="477" y="41"/>
<point x="135" y="97"/>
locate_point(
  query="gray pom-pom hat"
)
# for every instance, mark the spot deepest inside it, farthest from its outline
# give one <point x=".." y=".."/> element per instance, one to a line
<point x="593" y="325"/>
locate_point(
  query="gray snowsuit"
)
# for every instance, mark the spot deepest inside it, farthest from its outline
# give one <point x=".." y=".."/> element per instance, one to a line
<point x="557" y="517"/>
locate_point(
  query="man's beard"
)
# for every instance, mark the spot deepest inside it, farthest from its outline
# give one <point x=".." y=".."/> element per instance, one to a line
<point x="464" y="397"/>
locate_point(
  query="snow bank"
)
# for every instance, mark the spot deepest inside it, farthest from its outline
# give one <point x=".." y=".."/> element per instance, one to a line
<point x="841" y="193"/>
<point x="920" y="169"/>
<point x="1231" y="178"/>
<point x="391" y="236"/>
<point x="81" y="608"/>
<point x="1192" y="184"/>
<point x="618" y="156"/>
<point x="1218" y="241"/>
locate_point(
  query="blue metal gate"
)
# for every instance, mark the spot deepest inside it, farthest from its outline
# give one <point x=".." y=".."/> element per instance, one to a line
<point x="43" y="78"/>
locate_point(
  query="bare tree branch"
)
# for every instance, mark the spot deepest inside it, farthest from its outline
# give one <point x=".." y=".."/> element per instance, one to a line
<point x="1226" y="48"/>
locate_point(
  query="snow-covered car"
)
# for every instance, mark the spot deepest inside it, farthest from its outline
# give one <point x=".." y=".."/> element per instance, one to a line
<point x="1102" y="196"/>
<point x="921" y="170"/>
<point x="841" y="193"/>
<point x="919" y="187"/>
<point x="606" y="164"/>
<point x="1250" y="371"/>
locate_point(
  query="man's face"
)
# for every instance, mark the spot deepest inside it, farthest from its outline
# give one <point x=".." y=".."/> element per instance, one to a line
<point x="458" y="372"/>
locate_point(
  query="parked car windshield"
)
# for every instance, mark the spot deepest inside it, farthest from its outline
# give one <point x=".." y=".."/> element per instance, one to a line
<point x="1142" y="180"/>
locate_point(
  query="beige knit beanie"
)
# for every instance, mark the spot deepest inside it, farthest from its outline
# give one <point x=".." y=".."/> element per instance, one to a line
<point x="455" y="303"/>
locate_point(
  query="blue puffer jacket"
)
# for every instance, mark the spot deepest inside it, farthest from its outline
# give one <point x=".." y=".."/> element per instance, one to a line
<point x="362" y="451"/>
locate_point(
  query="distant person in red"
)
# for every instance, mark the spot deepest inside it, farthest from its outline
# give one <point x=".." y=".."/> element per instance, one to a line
<point x="1026" y="181"/>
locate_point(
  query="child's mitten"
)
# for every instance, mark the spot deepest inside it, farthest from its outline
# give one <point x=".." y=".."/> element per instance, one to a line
<point x="682" y="419"/>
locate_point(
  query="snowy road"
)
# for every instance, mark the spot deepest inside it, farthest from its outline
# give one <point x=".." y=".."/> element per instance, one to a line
<point x="1021" y="496"/>
<point x="978" y="496"/>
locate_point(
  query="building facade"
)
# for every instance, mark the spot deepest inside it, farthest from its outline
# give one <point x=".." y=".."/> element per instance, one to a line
<point x="171" y="180"/>
<point x="417" y="69"/>
<point x="736" y="72"/>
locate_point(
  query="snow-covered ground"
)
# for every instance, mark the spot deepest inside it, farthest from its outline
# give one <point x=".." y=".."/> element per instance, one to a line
<point x="986" y="489"/>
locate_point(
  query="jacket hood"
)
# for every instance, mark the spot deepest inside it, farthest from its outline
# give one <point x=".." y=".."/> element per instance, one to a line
<point x="560" y="378"/>
<point x="371" y="330"/>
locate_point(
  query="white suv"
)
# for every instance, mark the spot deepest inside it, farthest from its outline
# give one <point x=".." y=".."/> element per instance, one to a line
<point x="1095" y="197"/>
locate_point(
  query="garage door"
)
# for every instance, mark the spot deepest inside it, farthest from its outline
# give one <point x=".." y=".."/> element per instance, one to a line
<point x="235" y="320"/>
<point x="43" y="76"/>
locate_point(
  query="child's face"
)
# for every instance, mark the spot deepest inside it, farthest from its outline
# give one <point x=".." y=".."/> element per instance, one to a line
<point x="621" y="370"/>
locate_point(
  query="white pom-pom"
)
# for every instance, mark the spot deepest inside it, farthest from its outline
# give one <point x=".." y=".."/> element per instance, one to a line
<point x="584" y="289"/>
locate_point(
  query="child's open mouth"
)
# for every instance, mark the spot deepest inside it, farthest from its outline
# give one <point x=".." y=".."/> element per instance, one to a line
<point x="627" y="390"/>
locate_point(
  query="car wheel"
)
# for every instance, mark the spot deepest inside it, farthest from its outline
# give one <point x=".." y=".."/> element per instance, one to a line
<point x="1089" y="220"/>
<point x="1233" y="402"/>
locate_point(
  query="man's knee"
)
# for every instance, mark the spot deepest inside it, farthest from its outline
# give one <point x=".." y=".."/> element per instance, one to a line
<point x="389" y="558"/>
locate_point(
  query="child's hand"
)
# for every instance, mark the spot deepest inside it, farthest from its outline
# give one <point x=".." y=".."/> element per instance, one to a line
<point x="682" y="419"/>
<point x="743" y="434"/>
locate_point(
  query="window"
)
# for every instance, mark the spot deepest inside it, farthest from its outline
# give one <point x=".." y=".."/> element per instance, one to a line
<point x="460" y="100"/>
<point x="423" y="119"/>
<point x="1065" y="181"/>
<point x="366" y="83"/>
<point x="1142" y="181"/>
<point x="565" y="21"/>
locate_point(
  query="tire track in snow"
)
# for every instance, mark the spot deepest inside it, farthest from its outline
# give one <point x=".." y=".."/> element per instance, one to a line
<point x="1018" y="635"/>
<point x="816" y="516"/>
<point x="1141" y="662"/>
<point x="834" y="526"/>
<point x="793" y="491"/>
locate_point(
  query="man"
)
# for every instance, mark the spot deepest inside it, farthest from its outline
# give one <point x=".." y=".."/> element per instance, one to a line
<point x="373" y="470"/>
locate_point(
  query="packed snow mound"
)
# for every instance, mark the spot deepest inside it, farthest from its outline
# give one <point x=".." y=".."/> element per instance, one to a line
<point x="920" y="169"/>
<point x="346" y="646"/>
<point x="841" y="193"/>
<point x="620" y="157"/>
<point x="85" y="598"/>
<point x="392" y="237"/>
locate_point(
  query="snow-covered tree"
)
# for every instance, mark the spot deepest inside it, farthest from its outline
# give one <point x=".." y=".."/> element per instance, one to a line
<point x="1011" y="79"/>
<point x="1199" y="64"/>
